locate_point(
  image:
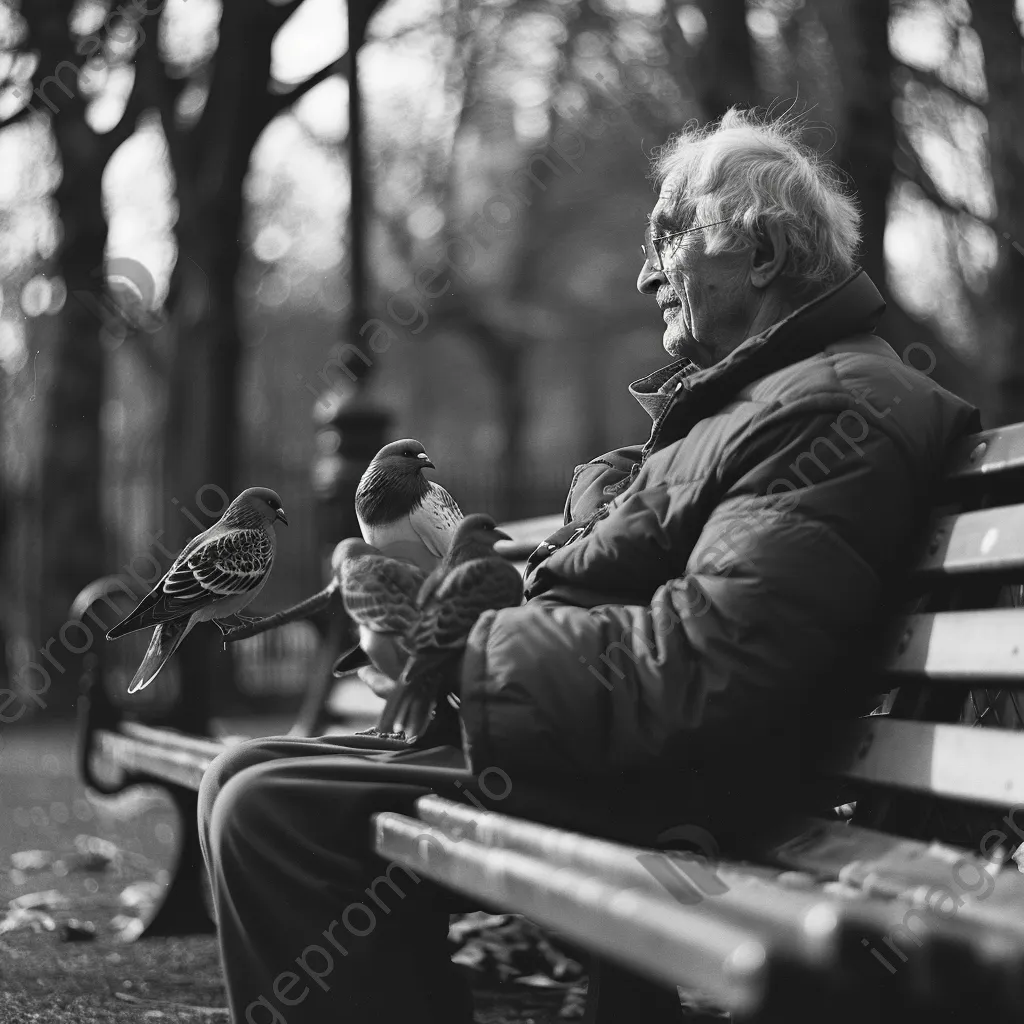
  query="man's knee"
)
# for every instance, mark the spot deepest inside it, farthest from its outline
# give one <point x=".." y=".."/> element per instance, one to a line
<point x="225" y="767"/>
<point x="242" y="810"/>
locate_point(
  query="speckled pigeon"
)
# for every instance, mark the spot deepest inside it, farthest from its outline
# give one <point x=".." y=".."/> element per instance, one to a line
<point x="216" y="575"/>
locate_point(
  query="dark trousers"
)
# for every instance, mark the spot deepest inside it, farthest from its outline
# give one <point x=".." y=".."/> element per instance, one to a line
<point x="314" y="928"/>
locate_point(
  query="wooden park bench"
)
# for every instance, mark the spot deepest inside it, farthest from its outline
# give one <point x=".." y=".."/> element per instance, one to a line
<point x="905" y="903"/>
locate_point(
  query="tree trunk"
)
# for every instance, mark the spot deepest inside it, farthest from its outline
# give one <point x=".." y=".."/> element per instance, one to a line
<point x="72" y="532"/>
<point x="201" y="446"/>
<point x="861" y="41"/>
<point x="725" y="74"/>
<point x="202" y="441"/>
<point x="1004" y="53"/>
<point x="72" y="527"/>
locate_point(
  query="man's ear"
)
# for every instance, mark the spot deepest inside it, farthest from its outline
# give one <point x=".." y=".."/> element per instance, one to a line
<point x="769" y="255"/>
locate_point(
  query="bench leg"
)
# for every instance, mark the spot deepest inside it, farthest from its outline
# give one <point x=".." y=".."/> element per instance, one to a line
<point x="615" y="995"/>
<point x="183" y="910"/>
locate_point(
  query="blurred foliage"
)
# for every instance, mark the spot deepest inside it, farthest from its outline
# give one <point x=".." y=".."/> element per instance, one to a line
<point x="215" y="133"/>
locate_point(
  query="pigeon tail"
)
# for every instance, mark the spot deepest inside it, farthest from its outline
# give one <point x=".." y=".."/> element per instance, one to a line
<point x="131" y="623"/>
<point x="355" y="657"/>
<point x="166" y="638"/>
<point x="412" y="705"/>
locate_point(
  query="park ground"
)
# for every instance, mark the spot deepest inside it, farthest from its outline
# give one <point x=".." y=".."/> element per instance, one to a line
<point x="89" y="866"/>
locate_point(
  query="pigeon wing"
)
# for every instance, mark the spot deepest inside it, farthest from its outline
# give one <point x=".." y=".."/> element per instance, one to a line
<point x="222" y="566"/>
<point x="237" y="562"/>
<point x="434" y="520"/>
<point x="380" y="593"/>
<point x="439" y="635"/>
<point x="463" y="596"/>
<point x="155" y="606"/>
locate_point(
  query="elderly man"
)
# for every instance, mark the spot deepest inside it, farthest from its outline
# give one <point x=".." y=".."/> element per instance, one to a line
<point x="708" y="605"/>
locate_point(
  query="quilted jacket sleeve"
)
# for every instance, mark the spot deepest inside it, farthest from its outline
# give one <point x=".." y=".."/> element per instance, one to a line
<point x="768" y="595"/>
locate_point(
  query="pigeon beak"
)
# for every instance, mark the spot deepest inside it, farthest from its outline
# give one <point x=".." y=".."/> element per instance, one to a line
<point x="427" y="464"/>
<point x="501" y="535"/>
<point x="280" y="515"/>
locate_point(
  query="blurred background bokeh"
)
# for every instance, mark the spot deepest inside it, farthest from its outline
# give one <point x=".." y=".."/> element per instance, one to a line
<point x="176" y="276"/>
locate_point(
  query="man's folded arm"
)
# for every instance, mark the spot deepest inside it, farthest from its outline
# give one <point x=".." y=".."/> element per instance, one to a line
<point x="620" y="688"/>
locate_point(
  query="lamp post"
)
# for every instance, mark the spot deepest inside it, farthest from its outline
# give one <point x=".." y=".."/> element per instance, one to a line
<point x="350" y="427"/>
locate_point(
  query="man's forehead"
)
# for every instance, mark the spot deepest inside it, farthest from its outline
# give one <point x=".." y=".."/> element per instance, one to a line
<point x="663" y="214"/>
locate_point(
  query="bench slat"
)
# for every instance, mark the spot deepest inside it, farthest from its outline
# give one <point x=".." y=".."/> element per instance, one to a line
<point x="961" y="647"/>
<point x="666" y="941"/>
<point x="989" y="540"/>
<point x="988" y="452"/>
<point x="901" y="868"/>
<point x="801" y="922"/>
<point x="170" y="738"/>
<point x="978" y="765"/>
<point x="184" y="767"/>
<point x="743" y="893"/>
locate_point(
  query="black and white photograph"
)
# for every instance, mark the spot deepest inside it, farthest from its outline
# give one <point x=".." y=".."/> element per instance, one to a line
<point x="511" y="511"/>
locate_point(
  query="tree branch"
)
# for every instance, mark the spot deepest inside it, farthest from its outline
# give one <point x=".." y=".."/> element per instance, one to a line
<point x="302" y="610"/>
<point x="281" y="101"/>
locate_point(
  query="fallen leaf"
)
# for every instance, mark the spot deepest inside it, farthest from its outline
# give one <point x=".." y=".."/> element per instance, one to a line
<point x="128" y="928"/>
<point x="542" y="981"/>
<point x="141" y="895"/>
<point x="93" y="854"/>
<point x="477" y="921"/>
<point x="20" y="918"/>
<point x="31" y="860"/>
<point x="50" y="899"/>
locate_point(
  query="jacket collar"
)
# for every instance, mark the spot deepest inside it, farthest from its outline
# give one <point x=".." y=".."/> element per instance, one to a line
<point x="690" y="393"/>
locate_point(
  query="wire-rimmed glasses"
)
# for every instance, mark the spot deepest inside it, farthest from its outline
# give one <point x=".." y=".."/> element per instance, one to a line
<point x="649" y="246"/>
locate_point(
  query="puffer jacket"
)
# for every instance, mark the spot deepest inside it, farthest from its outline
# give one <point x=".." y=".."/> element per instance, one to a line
<point x="715" y="593"/>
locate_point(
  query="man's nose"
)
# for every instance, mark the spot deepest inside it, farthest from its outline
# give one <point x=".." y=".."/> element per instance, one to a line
<point x="650" y="279"/>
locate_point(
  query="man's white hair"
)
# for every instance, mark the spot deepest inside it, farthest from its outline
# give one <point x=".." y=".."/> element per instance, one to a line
<point x="752" y="172"/>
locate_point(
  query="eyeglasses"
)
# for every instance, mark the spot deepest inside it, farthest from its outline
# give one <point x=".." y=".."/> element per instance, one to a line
<point x="650" y="249"/>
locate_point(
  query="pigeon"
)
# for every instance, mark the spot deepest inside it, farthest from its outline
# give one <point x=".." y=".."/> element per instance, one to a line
<point x="379" y="594"/>
<point x="400" y="512"/>
<point x="216" y="575"/>
<point x="470" y="580"/>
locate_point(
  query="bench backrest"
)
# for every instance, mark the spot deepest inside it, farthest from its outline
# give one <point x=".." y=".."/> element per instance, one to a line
<point x="947" y="759"/>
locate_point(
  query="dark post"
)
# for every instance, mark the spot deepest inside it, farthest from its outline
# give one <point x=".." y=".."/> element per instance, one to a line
<point x="351" y="428"/>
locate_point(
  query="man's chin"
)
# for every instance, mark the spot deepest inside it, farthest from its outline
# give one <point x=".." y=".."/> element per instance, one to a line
<point x="674" y="342"/>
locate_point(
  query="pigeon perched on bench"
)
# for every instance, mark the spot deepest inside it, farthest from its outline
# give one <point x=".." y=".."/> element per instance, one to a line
<point x="216" y="575"/>
<point x="379" y="594"/>
<point x="400" y="512"/>
<point x="470" y="580"/>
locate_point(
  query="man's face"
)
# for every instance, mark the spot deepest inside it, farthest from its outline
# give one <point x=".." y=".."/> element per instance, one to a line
<point x="708" y="302"/>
